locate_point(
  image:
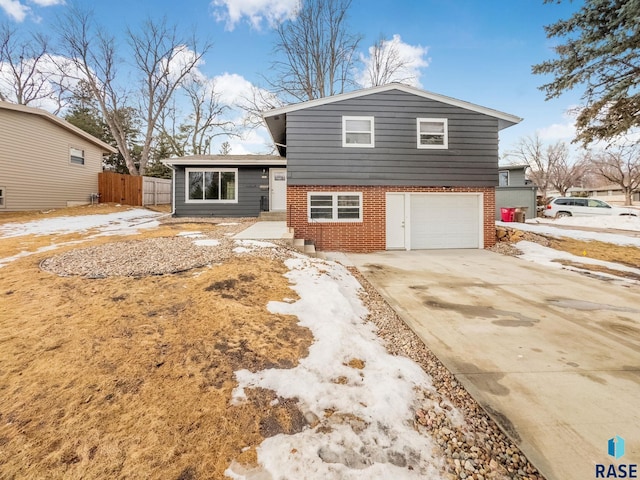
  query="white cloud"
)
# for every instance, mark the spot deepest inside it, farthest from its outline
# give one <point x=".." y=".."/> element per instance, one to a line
<point x="16" y="10"/>
<point x="233" y="88"/>
<point x="255" y="11"/>
<point x="565" y="130"/>
<point x="412" y="57"/>
<point x="48" y="3"/>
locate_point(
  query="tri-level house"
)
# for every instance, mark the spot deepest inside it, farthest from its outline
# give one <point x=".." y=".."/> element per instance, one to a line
<point x="390" y="167"/>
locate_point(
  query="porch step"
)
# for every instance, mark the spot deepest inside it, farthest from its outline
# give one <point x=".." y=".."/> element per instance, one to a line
<point x="273" y="216"/>
<point x="301" y="245"/>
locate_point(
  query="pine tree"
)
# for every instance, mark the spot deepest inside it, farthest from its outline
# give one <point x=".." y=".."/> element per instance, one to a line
<point x="600" y="53"/>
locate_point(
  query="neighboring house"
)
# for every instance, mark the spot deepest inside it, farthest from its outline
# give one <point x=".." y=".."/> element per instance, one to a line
<point x="610" y="193"/>
<point x="514" y="190"/>
<point x="228" y="185"/>
<point x="390" y="167"/>
<point x="45" y="162"/>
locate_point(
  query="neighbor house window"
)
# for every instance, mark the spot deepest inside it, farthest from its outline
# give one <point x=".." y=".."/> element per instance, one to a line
<point x="335" y="207"/>
<point x="2" y="199"/>
<point x="358" y="132"/>
<point x="76" y="155"/>
<point x="212" y="185"/>
<point x="503" y="178"/>
<point x="432" y="133"/>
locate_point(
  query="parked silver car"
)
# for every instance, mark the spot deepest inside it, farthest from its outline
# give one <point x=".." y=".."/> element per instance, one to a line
<point x="578" y="207"/>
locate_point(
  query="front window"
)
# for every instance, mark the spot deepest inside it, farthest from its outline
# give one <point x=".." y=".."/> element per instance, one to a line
<point x="358" y="132"/>
<point x="433" y="133"/>
<point x="211" y="185"/>
<point x="597" y="203"/>
<point x="335" y="207"/>
<point x="503" y="178"/>
<point x="76" y="156"/>
<point x="2" y="194"/>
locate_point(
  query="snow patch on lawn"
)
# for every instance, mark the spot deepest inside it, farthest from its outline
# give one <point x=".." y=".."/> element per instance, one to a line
<point x="537" y="253"/>
<point x="120" y="223"/>
<point x="246" y="246"/>
<point x="559" y="232"/>
<point x="617" y="222"/>
<point x="190" y="234"/>
<point x="372" y="395"/>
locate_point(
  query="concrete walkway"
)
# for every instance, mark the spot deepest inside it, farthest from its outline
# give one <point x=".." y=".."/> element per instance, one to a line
<point x="552" y="356"/>
<point x="264" y="231"/>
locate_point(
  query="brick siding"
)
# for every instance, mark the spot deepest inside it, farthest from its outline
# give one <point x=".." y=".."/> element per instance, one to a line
<point x="368" y="235"/>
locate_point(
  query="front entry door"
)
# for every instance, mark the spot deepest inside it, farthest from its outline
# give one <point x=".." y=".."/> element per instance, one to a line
<point x="278" y="189"/>
<point x="395" y="221"/>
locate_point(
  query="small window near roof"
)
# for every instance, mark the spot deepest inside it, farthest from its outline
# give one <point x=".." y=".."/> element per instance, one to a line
<point x="358" y="132"/>
<point x="77" y="156"/>
<point x="2" y="195"/>
<point x="432" y="133"/>
<point x="503" y="178"/>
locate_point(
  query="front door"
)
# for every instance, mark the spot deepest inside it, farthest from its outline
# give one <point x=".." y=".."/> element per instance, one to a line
<point x="395" y="221"/>
<point x="278" y="189"/>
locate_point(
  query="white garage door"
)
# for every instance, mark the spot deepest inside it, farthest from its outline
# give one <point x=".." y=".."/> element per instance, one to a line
<point x="445" y="221"/>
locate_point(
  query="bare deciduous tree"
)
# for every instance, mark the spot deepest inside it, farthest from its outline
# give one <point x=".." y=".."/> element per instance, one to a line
<point x="620" y="165"/>
<point x="162" y="59"/>
<point x="27" y="72"/>
<point x="550" y="165"/>
<point x="385" y="64"/>
<point x="563" y="173"/>
<point x="204" y="123"/>
<point x="530" y="151"/>
<point x="317" y="50"/>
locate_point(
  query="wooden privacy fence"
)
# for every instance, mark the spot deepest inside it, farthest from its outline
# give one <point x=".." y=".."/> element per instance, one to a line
<point x="133" y="190"/>
<point x="156" y="191"/>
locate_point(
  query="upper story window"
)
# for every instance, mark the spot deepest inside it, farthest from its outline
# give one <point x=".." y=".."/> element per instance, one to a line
<point x="210" y="185"/>
<point x="76" y="156"/>
<point x="433" y="133"/>
<point x="358" y="132"/>
<point x="503" y="178"/>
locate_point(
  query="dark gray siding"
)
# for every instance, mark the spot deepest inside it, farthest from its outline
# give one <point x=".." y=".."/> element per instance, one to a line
<point x="315" y="155"/>
<point x="249" y="195"/>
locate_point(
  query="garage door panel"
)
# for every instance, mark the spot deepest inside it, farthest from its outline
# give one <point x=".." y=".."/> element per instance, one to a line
<point x="445" y="221"/>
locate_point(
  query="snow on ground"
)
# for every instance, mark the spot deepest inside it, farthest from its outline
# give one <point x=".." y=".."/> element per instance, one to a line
<point x="558" y="231"/>
<point x="120" y="223"/>
<point x="616" y="222"/>
<point x="246" y="246"/>
<point x="537" y="253"/>
<point x="372" y="394"/>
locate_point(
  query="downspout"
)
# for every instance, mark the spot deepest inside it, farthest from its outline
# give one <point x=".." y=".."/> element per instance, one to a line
<point x="173" y="188"/>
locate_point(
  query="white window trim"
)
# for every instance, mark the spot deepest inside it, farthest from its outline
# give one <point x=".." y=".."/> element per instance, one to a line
<point x="445" y="144"/>
<point x="334" y="207"/>
<point x="203" y="170"/>
<point x="84" y="156"/>
<point x="3" y="197"/>
<point x="358" y="145"/>
<point x="500" y="172"/>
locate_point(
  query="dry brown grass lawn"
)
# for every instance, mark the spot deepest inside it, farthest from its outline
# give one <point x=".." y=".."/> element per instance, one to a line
<point x="624" y="255"/>
<point x="132" y="377"/>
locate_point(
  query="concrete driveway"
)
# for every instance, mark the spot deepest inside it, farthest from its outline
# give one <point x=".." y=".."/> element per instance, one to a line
<point x="552" y="356"/>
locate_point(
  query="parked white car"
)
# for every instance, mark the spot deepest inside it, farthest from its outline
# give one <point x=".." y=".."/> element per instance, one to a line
<point x="580" y="207"/>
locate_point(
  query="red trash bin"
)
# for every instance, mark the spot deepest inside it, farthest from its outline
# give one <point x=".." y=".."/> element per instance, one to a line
<point x="507" y="214"/>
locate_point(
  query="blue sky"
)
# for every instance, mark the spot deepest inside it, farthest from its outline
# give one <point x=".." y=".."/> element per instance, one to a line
<point x="479" y="51"/>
